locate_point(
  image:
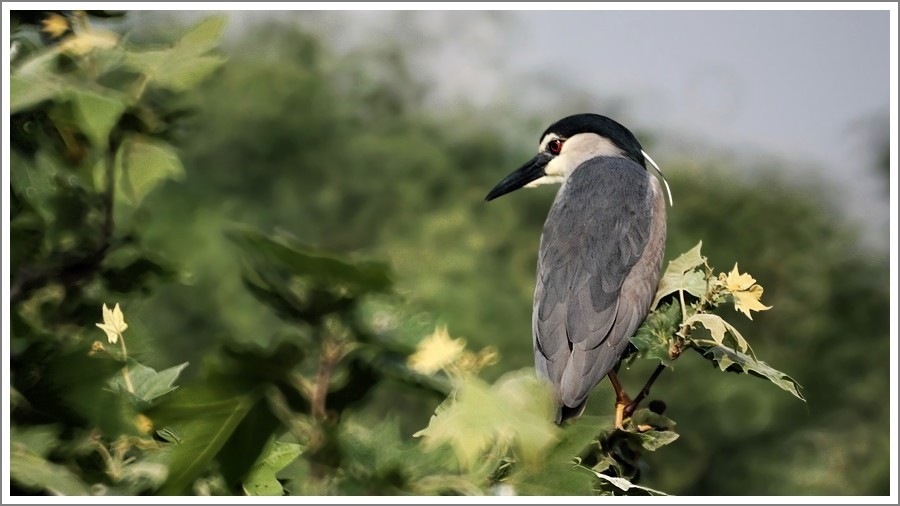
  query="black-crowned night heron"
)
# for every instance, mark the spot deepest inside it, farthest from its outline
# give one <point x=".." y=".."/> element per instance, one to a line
<point x="600" y="255"/>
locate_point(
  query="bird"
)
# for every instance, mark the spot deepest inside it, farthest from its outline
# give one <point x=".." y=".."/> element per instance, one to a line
<point x="600" y="255"/>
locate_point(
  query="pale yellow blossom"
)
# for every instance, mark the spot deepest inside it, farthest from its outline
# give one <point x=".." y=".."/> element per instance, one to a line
<point x="113" y="323"/>
<point x="436" y="352"/>
<point x="744" y="290"/>
<point x="54" y="25"/>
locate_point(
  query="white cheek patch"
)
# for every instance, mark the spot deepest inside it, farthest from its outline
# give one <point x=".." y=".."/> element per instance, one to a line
<point x="549" y="179"/>
<point x="578" y="149"/>
<point x="558" y="167"/>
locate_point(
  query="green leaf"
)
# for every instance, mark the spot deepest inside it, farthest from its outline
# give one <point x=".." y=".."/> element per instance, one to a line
<point x="358" y="276"/>
<point x="27" y="91"/>
<point x="514" y="412"/>
<point x="203" y="37"/>
<point x="185" y="65"/>
<point x="34" y="472"/>
<point x="625" y="485"/>
<point x="560" y="473"/>
<point x="97" y="114"/>
<point x="373" y="447"/>
<point x="718" y="327"/>
<point x="261" y="481"/>
<point x="36" y="182"/>
<point x="234" y="460"/>
<point x="653" y="440"/>
<point x="728" y="359"/>
<point x="34" y="82"/>
<point x="644" y="416"/>
<point x="35" y="439"/>
<point x="681" y="274"/>
<point x="170" y="70"/>
<point x="653" y="338"/>
<point x="182" y="75"/>
<point x="148" y="384"/>
<point x="141" y="165"/>
<point x="204" y="418"/>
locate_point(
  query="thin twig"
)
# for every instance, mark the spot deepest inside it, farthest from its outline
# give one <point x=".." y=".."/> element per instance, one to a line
<point x="125" y="375"/>
<point x="331" y="354"/>
<point x="632" y="406"/>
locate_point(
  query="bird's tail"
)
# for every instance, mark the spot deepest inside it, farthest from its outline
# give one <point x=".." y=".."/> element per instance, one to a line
<point x="567" y="413"/>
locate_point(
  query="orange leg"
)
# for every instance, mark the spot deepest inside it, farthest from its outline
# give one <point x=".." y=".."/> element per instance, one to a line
<point x="625" y="406"/>
<point x="622" y="399"/>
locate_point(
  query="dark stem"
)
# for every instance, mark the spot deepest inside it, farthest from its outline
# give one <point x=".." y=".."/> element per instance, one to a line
<point x="632" y="406"/>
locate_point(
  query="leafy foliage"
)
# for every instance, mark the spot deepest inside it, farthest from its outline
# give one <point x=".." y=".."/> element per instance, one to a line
<point x="275" y="457"/>
<point x="689" y="276"/>
<point x="311" y="365"/>
<point x="89" y="146"/>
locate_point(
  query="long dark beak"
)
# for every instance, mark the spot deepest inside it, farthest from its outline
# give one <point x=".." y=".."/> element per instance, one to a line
<point x="533" y="169"/>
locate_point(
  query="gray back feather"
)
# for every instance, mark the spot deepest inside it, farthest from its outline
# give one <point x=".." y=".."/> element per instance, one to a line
<point x="589" y="297"/>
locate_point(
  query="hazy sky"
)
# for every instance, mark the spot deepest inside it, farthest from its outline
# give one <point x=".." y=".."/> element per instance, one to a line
<point x="808" y="86"/>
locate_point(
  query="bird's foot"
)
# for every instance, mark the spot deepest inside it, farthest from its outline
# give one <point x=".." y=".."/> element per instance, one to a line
<point x="625" y="407"/>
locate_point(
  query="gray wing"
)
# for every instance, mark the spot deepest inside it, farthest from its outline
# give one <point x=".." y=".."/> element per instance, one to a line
<point x="593" y="241"/>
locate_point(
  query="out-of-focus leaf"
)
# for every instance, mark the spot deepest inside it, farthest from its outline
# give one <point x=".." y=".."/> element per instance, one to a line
<point x="35" y="439"/>
<point x="136" y="275"/>
<point x="560" y="473"/>
<point x="97" y="114"/>
<point x="261" y="481"/>
<point x="728" y="359"/>
<point x="653" y="338"/>
<point x="36" y="182"/>
<point x="142" y="476"/>
<point x="185" y="65"/>
<point x="515" y="412"/>
<point x="73" y="382"/>
<point x="181" y="75"/>
<point x="360" y="276"/>
<point x="718" y="328"/>
<point x="205" y="417"/>
<point x="375" y="448"/>
<point x="141" y="165"/>
<point x="203" y="37"/>
<point x="34" y="472"/>
<point x="34" y="82"/>
<point x="237" y="455"/>
<point x="26" y="234"/>
<point x="681" y="275"/>
<point x="149" y="385"/>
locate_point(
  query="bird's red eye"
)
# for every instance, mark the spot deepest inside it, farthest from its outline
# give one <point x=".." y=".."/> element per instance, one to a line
<point x="555" y="146"/>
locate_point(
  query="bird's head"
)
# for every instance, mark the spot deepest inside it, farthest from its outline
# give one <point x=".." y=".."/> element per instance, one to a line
<point x="567" y="144"/>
